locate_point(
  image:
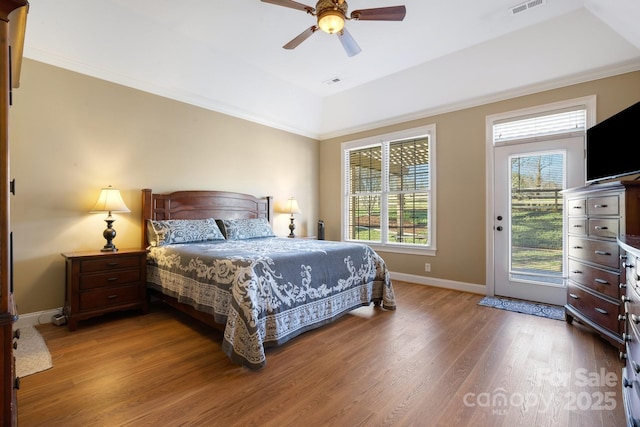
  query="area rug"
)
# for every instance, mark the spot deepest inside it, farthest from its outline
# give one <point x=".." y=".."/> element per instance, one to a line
<point x="32" y="354"/>
<point x="526" y="307"/>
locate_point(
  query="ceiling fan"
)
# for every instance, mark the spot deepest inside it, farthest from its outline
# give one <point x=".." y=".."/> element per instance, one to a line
<point x="332" y="15"/>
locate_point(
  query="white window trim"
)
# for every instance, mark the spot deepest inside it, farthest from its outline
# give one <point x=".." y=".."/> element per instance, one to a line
<point x="429" y="130"/>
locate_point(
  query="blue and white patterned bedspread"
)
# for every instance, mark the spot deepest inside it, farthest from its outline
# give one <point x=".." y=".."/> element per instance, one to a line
<point x="269" y="290"/>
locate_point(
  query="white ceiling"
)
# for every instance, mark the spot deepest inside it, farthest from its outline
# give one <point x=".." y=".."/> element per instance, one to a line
<point x="227" y="56"/>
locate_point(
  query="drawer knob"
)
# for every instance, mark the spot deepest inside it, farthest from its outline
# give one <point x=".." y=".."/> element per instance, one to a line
<point x="601" y="310"/>
<point x="601" y="227"/>
<point x="626" y="337"/>
<point x="577" y="272"/>
<point x="16" y="383"/>
<point x="626" y="265"/>
<point x="635" y="319"/>
<point x="16" y="334"/>
<point x="625" y="298"/>
<point x="622" y="285"/>
<point x="113" y="296"/>
<point x="15" y="345"/>
<point x="626" y="383"/>
<point x="600" y="206"/>
<point x="622" y="317"/>
<point x="601" y="281"/>
<point x="622" y="355"/>
<point x="574" y="296"/>
<point x="112" y="264"/>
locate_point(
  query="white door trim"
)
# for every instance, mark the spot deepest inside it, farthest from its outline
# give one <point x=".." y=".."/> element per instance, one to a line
<point x="588" y="101"/>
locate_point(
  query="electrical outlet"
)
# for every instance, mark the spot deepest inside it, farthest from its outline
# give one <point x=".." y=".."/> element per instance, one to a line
<point x="427" y="267"/>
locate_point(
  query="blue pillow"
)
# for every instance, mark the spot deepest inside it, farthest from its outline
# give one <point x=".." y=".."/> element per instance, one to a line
<point x="240" y="229"/>
<point x="182" y="231"/>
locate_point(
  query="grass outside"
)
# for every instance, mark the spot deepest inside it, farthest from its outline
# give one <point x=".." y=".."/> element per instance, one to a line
<point x="537" y="240"/>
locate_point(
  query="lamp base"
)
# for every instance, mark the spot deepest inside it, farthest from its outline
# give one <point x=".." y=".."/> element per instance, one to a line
<point x="292" y="227"/>
<point x="109" y="234"/>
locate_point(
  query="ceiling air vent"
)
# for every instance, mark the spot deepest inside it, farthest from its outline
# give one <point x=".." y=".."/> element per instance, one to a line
<point x="333" y="81"/>
<point x="523" y="7"/>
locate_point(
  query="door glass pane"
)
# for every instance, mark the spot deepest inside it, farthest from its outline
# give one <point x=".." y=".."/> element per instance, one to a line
<point x="536" y="217"/>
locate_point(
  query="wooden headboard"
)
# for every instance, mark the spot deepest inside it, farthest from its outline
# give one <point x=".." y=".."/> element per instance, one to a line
<point x="202" y="205"/>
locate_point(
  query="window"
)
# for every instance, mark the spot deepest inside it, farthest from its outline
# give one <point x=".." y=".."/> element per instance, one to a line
<point x="541" y="126"/>
<point x="389" y="196"/>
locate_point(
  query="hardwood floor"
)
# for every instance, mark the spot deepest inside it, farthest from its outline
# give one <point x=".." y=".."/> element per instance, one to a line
<point x="439" y="360"/>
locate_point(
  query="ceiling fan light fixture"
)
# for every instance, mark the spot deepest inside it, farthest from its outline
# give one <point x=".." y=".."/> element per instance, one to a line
<point x="331" y="21"/>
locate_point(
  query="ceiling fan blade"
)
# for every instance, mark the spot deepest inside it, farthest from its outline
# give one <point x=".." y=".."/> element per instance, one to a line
<point x="349" y="43"/>
<point x="392" y="13"/>
<point x="301" y="37"/>
<point x="292" y="4"/>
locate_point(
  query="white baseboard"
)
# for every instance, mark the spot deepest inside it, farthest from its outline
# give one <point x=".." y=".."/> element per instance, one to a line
<point x="441" y="283"/>
<point x="37" y="318"/>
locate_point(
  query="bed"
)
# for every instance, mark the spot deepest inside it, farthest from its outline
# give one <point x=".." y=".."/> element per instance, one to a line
<point x="213" y="255"/>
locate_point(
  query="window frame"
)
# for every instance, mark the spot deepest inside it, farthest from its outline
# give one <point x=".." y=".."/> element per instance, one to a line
<point x="379" y="140"/>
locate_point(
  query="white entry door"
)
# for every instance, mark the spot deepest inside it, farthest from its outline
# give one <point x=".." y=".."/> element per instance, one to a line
<point x="528" y="216"/>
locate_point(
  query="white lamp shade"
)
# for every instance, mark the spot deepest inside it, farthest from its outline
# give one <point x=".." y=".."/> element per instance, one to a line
<point x="292" y="206"/>
<point x="109" y="201"/>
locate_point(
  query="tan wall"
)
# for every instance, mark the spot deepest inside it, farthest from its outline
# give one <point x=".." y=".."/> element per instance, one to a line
<point x="72" y="134"/>
<point x="461" y="185"/>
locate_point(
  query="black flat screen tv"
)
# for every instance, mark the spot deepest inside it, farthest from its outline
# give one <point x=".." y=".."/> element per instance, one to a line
<point x="612" y="145"/>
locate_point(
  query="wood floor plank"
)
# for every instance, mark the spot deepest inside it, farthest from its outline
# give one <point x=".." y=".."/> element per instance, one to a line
<point x="439" y="360"/>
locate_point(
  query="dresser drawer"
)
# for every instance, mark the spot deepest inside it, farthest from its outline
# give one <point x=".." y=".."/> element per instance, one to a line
<point x="578" y="226"/>
<point x="631" y="271"/>
<point x="630" y="397"/>
<point x="606" y="205"/>
<point x="632" y="349"/>
<point x="599" y="310"/>
<point x="102" y="298"/>
<point x="107" y="263"/>
<point x="577" y="207"/>
<point x="604" y="227"/>
<point x="603" y="281"/>
<point x="600" y="252"/>
<point x="112" y="278"/>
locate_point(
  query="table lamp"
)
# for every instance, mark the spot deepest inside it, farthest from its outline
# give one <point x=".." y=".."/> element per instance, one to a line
<point x="109" y="201"/>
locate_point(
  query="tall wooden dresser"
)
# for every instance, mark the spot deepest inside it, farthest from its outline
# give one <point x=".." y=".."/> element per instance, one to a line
<point x="597" y="215"/>
<point x="13" y="15"/>
<point x="630" y="252"/>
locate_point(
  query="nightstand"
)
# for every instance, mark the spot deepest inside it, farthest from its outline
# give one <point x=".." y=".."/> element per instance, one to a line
<point x="102" y="282"/>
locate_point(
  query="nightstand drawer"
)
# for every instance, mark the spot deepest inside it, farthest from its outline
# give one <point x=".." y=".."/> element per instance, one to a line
<point x="112" y="278"/>
<point x="109" y="297"/>
<point x="601" y="311"/>
<point x="109" y="263"/>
